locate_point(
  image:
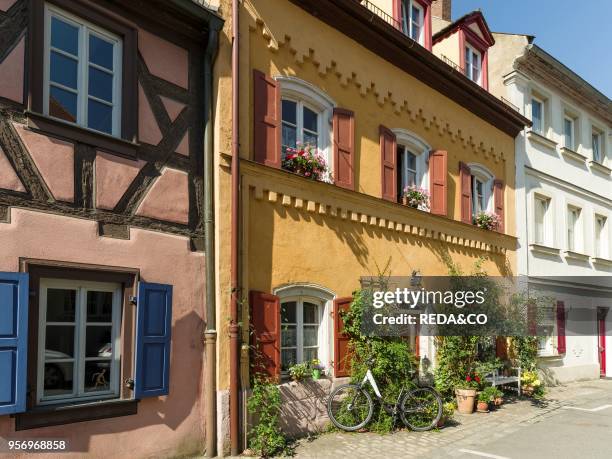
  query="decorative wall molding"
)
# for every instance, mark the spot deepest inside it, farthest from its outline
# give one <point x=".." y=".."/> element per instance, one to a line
<point x="388" y="91"/>
<point x="174" y="125"/>
<point x="278" y="187"/>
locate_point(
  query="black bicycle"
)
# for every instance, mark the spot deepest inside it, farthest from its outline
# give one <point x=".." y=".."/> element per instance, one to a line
<point x="350" y="406"/>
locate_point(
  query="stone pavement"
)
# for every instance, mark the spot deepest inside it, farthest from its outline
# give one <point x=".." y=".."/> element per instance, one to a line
<point x="468" y="431"/>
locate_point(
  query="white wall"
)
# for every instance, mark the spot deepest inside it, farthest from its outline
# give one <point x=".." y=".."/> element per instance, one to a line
<point x="542" y="168"/>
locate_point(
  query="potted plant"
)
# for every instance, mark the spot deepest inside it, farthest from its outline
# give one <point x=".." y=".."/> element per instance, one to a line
<point x="466" y="393"/>
<point x="307" y="161"/>
<point x="299" y="371"/>
<point x="316" y="370"/>
<point x="415" y="197"/>
<point x="448" y="411"/>
<point x="487" y="220"/>
<point x="486" y="396"/>
<point x="530" y="383"/>
<point x="499" y="397"/>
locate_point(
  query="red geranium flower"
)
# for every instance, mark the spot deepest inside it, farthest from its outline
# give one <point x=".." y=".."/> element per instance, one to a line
<point x="477" y="378"/>
<point x="468" y="378"/>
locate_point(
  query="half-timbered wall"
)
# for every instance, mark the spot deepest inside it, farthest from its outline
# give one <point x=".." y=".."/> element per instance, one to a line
<point x="152" y="181"/>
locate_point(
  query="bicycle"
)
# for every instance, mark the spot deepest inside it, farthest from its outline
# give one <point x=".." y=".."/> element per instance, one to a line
<point x="350" y="406"/>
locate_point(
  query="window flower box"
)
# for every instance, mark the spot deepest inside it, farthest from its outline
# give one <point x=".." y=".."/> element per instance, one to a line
<point x="307" y="161"/>
<point x="487" y="220"/>
<point x="415" y="197"/>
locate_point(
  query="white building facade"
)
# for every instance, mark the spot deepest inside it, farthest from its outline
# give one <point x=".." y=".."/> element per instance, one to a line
<point x="564" y="205"/>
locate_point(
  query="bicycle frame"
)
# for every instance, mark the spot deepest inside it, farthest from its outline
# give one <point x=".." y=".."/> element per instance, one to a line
<point x="390" y="408"/>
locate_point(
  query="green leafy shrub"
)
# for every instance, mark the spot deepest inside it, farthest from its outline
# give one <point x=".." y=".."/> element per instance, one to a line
<point x="300" y="371"/>
<point x="393" y="362"/>
<point x="265" y="437"/>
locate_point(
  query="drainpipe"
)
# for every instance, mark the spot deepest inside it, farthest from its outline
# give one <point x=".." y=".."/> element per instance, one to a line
<point x="210" y="334"/>
<point x="235" y="287"/>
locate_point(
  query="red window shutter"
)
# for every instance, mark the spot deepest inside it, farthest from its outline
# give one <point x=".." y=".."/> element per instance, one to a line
<point x="344" y="148"/>
<point x="267" y="119"/>
<point x="498" y="198"/>
<point x="561" y="327"/>
<point x="342" y="363"/>
<point x="437" y="182"/>
<point x="532" y="324"/>
<point x="388" y="157"/>
<point x="265" y="318"/>
<point x="397" y="14"/>
<point x="465" y="181"/>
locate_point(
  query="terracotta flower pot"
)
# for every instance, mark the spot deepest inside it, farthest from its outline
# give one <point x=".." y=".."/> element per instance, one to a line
<point x="482" y="407"/>
<point x="498" y="401"/>
<point x="465" y="400"/>
<point x="527" y="390"/>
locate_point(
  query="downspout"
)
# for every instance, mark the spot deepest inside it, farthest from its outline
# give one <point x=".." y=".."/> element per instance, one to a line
<point x="235" y="287"/>
<point x="210" y="334"/>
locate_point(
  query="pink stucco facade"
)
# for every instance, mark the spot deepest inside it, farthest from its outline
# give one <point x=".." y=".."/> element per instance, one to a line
<point x="11" y="69"/>
<point x="93" y="204"/>
<point x="164" y="426"/>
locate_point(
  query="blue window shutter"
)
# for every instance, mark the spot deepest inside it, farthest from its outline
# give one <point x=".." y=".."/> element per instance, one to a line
<point x="153" y="330"/>
<point x="13" y="341"/>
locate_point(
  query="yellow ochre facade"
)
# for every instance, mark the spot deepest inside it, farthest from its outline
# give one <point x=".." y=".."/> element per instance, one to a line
<point x="299" y="232"/>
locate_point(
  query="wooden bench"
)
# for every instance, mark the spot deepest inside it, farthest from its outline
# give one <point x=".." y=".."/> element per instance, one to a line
<point x="499" y="380"/>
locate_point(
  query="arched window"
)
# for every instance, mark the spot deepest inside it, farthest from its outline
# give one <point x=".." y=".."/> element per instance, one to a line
<point x="412" y="161"/>
<point x="482" y="188"/>
<point x="306" y="114"/>
<point x="306" y="331"/>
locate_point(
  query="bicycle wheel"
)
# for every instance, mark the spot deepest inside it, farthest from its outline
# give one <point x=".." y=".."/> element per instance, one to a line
<point x="350" y="407"/>
<point x="421" y="409"/>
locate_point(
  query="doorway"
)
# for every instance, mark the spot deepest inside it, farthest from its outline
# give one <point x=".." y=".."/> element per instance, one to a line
<point x="601" y="339"/>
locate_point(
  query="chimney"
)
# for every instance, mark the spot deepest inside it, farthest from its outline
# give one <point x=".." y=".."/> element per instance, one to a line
<point x="442" y="9"/>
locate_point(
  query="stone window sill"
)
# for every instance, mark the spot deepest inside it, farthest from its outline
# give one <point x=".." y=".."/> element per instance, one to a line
<point x="598" y="167"/>
<point x="541" y="139"/>
<point x="53" y="415"/>
<point x="570" y="254"/>
<point x="573" y="155"/>
<point x="544" y="249"/>
<point x="602" y="261"/>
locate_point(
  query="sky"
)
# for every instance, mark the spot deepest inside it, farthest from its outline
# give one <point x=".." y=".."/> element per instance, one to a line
<point x="579" y="34"/>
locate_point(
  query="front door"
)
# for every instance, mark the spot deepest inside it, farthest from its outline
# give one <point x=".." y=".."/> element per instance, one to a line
<point x="601" y="339"/>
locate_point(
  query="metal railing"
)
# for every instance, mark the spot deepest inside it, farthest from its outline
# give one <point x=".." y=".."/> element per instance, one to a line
<point x="381" y="14"/>
<point x="453" y="64"/>
<point x="510" y="104"/>
<point x="398" y="25"/>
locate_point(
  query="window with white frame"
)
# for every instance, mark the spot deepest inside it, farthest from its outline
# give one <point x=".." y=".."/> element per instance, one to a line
<point x="82" y="72"/>
<point x="537" y="115"/>
<point x="601" y="236"/>
<point x="413" y="20"/>
<point x="546" y="330"/>
<point x="482" y="185"/>
<point x="412" y="157"/>
<point x="306" y="115"/>
<point x="300" y="322"/>
<point x="473" y="64"/>
<point x="574" y="235"/>
<point x="597" y="142"/>
<point x="569" y="132"/>
<point x="542" y="224"/>
<point x="78" y="340"/>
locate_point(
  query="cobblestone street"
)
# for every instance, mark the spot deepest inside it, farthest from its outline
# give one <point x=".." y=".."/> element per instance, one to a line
<point x="471" y="435"/>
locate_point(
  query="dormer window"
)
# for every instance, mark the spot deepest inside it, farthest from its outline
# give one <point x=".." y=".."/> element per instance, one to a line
<point x="473" y="37"/>
<point x="414" y="20"/>
<point x="413" y="16"/>
<point x="473" y="64"/>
